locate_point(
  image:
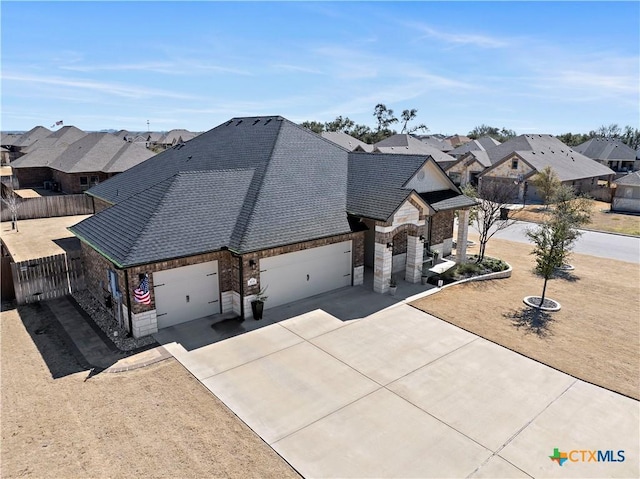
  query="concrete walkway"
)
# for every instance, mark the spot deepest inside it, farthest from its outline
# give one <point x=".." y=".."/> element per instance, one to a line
<point x="401" y="393"/>
<point x="96" y="350"/>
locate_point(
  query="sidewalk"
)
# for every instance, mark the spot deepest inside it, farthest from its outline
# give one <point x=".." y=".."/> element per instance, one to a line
<point x="94" y="347"/>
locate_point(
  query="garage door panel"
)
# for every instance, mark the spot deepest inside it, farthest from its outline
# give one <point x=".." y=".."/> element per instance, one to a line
<point x="186" y="293"/>
<point x="298" y="275"/>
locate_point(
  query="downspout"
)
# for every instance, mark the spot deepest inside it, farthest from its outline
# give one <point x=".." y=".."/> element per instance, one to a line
<point x="126" y="285"/>
<point x="241" y="288"/>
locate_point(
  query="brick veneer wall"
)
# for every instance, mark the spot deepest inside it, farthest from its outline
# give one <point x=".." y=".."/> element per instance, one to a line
<point x="32" y="177"/>
<point x="408" y="229"/>
<point x="441" y="226"/>
<point x="96" y="267"/>
<point x="70" y="182"/>
<point x="249" y="272"/>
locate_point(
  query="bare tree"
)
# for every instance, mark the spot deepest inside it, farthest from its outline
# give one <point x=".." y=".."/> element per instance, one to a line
<point x="490" y="214"/>
<point x="10" y="199"/>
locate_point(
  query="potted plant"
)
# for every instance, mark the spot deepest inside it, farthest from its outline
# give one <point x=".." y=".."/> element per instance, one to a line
<point x="257" y="305"/>
<point x="393" y="286"/>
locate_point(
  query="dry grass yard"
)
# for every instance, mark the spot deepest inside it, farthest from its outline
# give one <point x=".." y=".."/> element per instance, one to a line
<point x="153" y="422"/>
<point x="601" y="218"/>
<point x="594" y="337"/>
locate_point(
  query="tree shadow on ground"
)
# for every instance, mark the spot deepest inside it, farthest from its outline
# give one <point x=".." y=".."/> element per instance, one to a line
<point x="532" y="320"/>
<point x="567" y="276"/>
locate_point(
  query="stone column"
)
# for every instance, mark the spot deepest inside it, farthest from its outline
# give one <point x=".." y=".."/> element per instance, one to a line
<point x="382" y="264"/>
<point x="415" y="251"/>
<point x="461" y="242"/>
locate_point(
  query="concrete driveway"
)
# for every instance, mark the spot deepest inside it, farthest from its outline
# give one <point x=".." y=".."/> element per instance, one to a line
<point x="401" y="393"/>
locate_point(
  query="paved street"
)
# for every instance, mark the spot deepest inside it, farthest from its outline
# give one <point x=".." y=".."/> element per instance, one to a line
<point x="604" y="245"/>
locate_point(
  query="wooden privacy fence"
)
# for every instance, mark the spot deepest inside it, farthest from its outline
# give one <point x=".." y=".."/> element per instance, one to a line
<point x="50" y="206"/>
<point x="47" y="278"/>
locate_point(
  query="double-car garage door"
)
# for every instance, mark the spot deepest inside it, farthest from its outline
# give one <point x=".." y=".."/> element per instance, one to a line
<point x="292" y="276"/>
<point x="192" y="292"/>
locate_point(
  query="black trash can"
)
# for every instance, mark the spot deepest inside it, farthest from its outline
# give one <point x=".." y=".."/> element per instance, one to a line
<point x="504" y="213"/>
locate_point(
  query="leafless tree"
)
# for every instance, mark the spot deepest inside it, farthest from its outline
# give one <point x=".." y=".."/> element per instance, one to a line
<point x="490" y="214"/>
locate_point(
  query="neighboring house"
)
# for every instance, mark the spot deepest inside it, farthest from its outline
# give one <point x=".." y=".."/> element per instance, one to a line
<point x="61" y="138"/>
<point x="175" y="137"/>
<point x="76" y="167"/>
<point x="442" y="144"/>
<point x="259" y="204"/>
<point x="611" y="152"/>
<point x="346" y="141"/>
<point x="626" y="195"/>
<point x="5" y="158"/>
<point x="403" y="144"/>
<point x="519" y="159"/>
<point x="17" y="145"/>
<point x="458" y="140"/>
<point x="468" y="167"/>
<point x="481" y="144"/>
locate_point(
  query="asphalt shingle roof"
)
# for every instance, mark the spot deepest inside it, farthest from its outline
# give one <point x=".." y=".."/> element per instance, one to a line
<point x="481" y="144"/>
<point x="546" y="150"/>
<point x="90" y="153"/>
<point x="606" y="149"/>
<point x="31" y="136"/>
<point x="346" y="141"/>
<point x="167" y="220"/>
<point x="407" y="145"/>
<point x="632" y="179"/>
<point x="265" y="182"/>
<point x="447" y="200"/>
<point x="59" y="138"/>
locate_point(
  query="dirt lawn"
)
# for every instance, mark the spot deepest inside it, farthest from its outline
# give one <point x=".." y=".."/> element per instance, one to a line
<point x="594" y="337"/>
<point x="152" y="422"/>
<point x="601" y="218"/>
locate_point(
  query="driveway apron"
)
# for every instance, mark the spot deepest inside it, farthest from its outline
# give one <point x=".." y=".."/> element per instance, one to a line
<point x="401" y="393"/>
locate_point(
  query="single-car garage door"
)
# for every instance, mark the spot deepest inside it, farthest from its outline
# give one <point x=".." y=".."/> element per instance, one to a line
<point x="186" y="293"/>
<point x="292" y="276"/>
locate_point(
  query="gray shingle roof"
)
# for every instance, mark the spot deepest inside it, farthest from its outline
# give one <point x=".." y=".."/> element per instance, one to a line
<point x="481" y="144"/>
<point x="606" y="149"/>
<point x="408" y="145"/>
<point x="175" y="136"/>
<point x="59" y="138"/>
<point x="31" y="136"/>
<point x="546" y="150"/>
<point x="347" y="142"/>
<point x="92" y="152"/>
<point x="376" y="184"/>
<point x="632" y="179"/>
<point x="168" y="219"/>
<point x="447" y="200"/>
<point x="280" y="184"/>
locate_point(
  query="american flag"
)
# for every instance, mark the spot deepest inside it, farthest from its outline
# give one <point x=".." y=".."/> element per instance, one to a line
<point x="141" y="293"/>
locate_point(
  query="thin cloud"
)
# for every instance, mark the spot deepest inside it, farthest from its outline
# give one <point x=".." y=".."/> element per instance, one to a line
<point x="482" y="41"/>
<point x="296" y="68"/>
<point x="101" y="87"/>
<point x="184" y="67"/>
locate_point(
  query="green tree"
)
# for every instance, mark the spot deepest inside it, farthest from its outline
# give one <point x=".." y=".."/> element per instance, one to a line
<point x="314" y="126"/>
<point x="501" y="135"/>
<point x="554" y="239"/>
<point x="546" y="183"/>
<point x="340" y="124"/>
<point x="407" y="116"/>
<point x="384" y="116"/>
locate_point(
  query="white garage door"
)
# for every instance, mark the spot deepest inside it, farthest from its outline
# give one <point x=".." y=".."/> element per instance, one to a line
<point x="186" y="293"/>
<point x="292" y="276"/>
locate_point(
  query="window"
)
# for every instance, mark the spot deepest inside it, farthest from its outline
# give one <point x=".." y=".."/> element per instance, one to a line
<point x="94" y="180"/>
<point x="514" y="164"/>
<point x="84" y="180"/>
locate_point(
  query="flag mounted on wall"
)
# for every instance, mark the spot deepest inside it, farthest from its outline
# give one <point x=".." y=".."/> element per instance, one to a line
<point x="141" y="294"/>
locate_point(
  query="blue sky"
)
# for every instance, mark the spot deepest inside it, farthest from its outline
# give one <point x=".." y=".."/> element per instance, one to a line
<point x="535" y="67"/>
